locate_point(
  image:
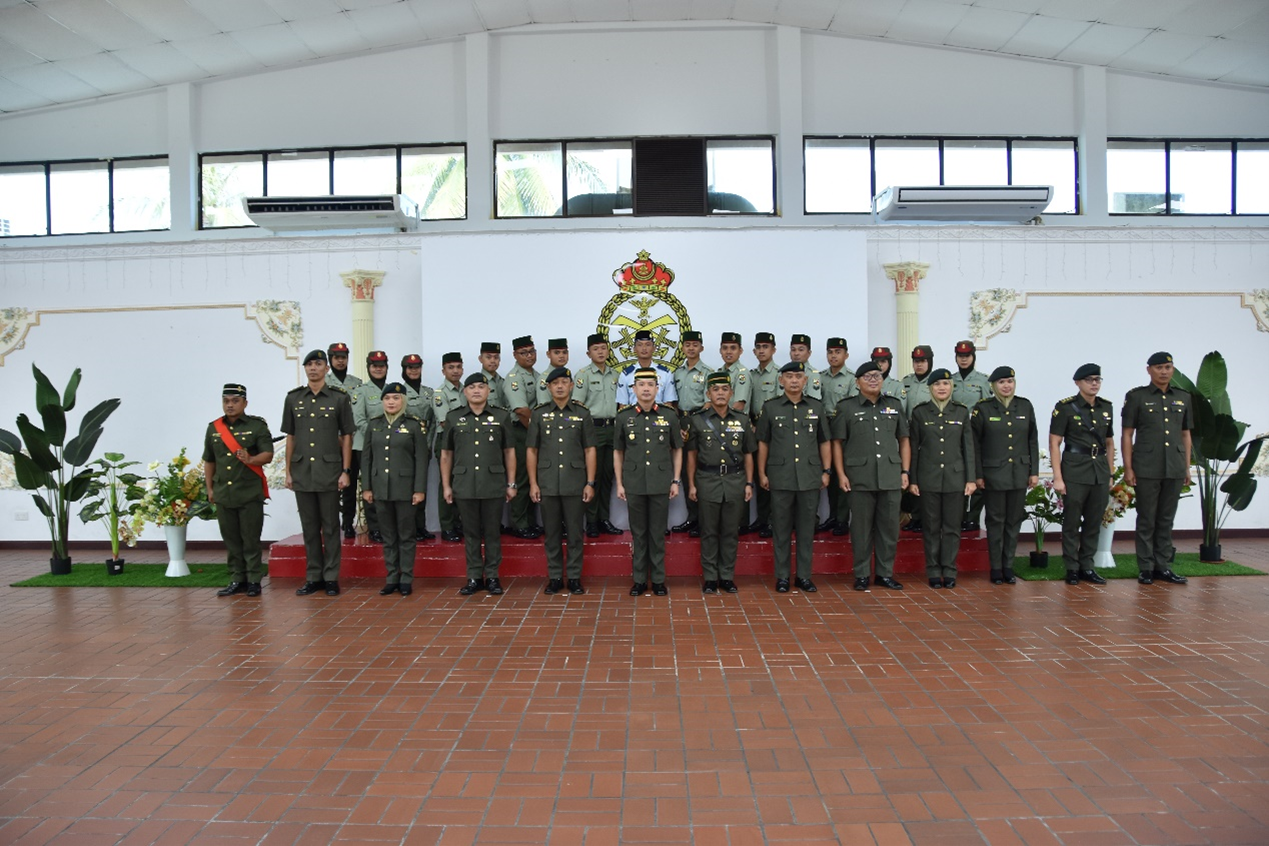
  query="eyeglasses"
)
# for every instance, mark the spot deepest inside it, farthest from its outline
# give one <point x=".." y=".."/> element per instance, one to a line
<point x="1093" y="379"/>
<point x="872" y="377"/>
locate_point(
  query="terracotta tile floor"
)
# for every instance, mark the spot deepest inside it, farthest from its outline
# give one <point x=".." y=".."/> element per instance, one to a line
<point x="1037" y="714"/>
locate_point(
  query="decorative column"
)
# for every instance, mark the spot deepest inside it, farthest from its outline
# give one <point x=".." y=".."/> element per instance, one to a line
<point x="907" y="276"/>
<point x="363" y="284"/>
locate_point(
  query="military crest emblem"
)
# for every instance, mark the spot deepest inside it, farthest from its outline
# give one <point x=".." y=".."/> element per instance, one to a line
<point x="644" y="302"/>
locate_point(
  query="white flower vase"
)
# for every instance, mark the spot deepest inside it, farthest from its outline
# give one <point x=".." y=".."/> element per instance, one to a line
<point x="1102" y="558"/>
<point x="176" y="551"/>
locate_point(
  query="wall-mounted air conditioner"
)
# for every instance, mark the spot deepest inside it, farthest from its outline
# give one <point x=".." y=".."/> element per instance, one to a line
<point x="996" y="203"/>
<point x="395" y="211"/>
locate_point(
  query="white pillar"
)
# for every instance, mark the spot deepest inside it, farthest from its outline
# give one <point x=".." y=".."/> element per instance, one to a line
<point x="1092" y="119"/>
<point x="907" y="276"/>
<point x="363" y="284"/>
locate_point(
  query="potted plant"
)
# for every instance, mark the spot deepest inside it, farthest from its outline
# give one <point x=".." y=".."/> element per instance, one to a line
<point x="1044" y="509"/>
<point x="109" y="495"/>
<point x="1221" y="463"/>
<point x="171" y="500"/>
<point x="47" y="467"/>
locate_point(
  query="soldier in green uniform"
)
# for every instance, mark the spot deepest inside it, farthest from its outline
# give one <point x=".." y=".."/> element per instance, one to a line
<point x="596" y="388"/>
<point x="419" y="402"/>
<point x="942" y="474"/>
<point x="1085" y="424"/>
<point x="720" y="446"/>
<point x="367" y="404"/>
<point x="235" y="449"/>
<point x="765" y="380"/>
<point x="1156" y="422"/>
<point x="556" y="356"/>
<point x="689" y="381"/>
<point x="1007" y="458"/>
<point x="318" y="422"/>
<point x="800" y="351"/>
<point x="394" y="483"/>
<point x="478" y="472"/>
<point x="449" y="396"/>
<point x="490" y="360"/>
<point x="741" y="384"/>
<point x="338" y="375"/>
<point x="916" y="390"/>
<point x="521" y="391"/>
<point x="561" y="455"/>
<point x="970" y="387"/>
<point x="794" y="457"/>
<point x="839" y="383"/>
<point x="647" y="458"/>
<point x="871" y="454"/>
<point x="890" y="386"/>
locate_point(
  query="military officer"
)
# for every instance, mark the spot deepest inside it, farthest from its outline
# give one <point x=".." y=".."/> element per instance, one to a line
<point x="478" y="472"/>
<point x="318" y="422"/>
<point x="367" y="404"/>
<point x="1085" y="425"/>
<point x="449" y="396"/>
<point x="644" y="348"/>
<point x="969" y="387"/>
<point x="766" y="386"/>
<point x="647" y="459"/>
<point x="521" y="391"/>
<point x="839" y="383"/>
<point x="794" y="457"/>
<point x="741" y="384"/>
<point x="942" y="474"/>
<point x="235" y="450"/>
<point x="1007" y="458"/>
<point x="720" y="446"/>
<point x="916" y="390"/>
<point x="556" y="356"/>
<point x="1156" y="422"/>
<point x="561" y="453"/>
<point x="394" y="483"/>
<point x="689" y="383"/>
<point x="338" y="375"/>
<point x="490" y="360"/>
<point x="800" y="351"/>
<point x="596" y="388"/>
<point x="420" y="402"/>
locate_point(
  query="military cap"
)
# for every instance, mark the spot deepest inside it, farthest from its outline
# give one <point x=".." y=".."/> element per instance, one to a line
<point x="559" y="373"/>
<point x="412" y="360"/>
<point x="718" y="377"/>
<point x="731" y="338"/>
<point x="793" y="366"/>
<point x="392" y="388"/>
<point x="693" y="335"/>
<point x="643" y="335"/>
<point x="836" y="344"/>
<point x="764" y="338"/>
<point x="452" y="358"/>
<point x="800" y="339"/>
<point x="923" y="352"/>
<point x="491" y="346"/>
<point x="315" y="355"/>
<point x="522" y="342"/>
<point x="940" y="375"/>
<point x="337" y="349"/>
<point x="557" y="344"/>
<point x="1001" y="372"/>
<point x="1159" y="358"/>
<point x="477" y="378"/>
<point x="1086" y="370"/>
<point x="232" y="389"/>
<point x="965" y="348"/>
<point x="881" y="352"/>
<point x="869" y="366"/>
<point x="596" y="338"/>
<point x="377" y="357"/>
<point x="645" y="373"/>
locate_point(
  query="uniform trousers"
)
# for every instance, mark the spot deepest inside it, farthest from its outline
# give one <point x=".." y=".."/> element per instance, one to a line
<point x="559" y="513"/>
<point x="1156" y="510"/>
<point x="720" y="537"/>
<point x="597" y="509"/>
<point x="793" y="513"/>
<point x="1005" y="511"/>
<point x="941" y="515"/>
<point x="396" y="522"/>
<point x="240" y="529"/>
<point x="521" y="506"/>
<point x="874" y="531"/>
<point x="319" y="522"/>
<point x="838" y="505"/>
<point x="349" y="497"/>
<point x="482" y="521"/>
<point x="762" y="507"/>
<point x="648" y="514"/>
<point x="1082" y="510"/>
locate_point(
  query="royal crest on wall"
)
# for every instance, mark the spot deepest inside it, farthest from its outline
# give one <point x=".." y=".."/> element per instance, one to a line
<point x="644" y="302"/>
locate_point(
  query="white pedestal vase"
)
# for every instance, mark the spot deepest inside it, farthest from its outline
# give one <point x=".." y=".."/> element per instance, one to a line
<point x="1102" y="558"/>
<point x="176" y="566"/>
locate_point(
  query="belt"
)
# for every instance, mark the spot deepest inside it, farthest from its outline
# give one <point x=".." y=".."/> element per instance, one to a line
<point x="1079" y="449"/>
<point x="601" y="422"/>
<point x="718" y="469"/>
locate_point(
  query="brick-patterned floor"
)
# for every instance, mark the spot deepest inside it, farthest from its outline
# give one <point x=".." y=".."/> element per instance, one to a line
<point x="1036" y="714"/>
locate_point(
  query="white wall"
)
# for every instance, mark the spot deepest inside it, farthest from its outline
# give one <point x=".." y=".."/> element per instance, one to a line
<point x="1150" y="106"/>
<point x="130" y="125"/>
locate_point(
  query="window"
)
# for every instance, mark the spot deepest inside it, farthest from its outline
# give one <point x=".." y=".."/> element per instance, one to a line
<point x="1252" y="185"/>
<point x="842" y="175"/>
<point x="1187" y="176"/>
<point x="82" y="197"/>
<point x="433" y="176"/>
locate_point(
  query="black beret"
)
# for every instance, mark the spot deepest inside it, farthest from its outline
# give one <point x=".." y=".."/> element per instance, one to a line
<point x="1001" y="372"/>
<point x="597" y="338"/>
<point x="731" y="338"/>
<point x="233" y="389"/>
<point x="558" y="373"/>
<point x="475" y="379"/>
<point x="315" y="355"/>
<point x="869" y="366"/>
<point x="452" y="358"/>
<point x="1086" y="370"/>
<point x="938" y="376"/>
<point x="793" y="366"/>
<point x="643" y="335"/>
<point x="491" y="346"/>
<point x="800" y="339"/>
<point x="1159" y="358"/>
<point x="522" y="342"/>
<point x="392" y="388"/>
<point x="764" y="338"/>
<point x="692" y="335"/>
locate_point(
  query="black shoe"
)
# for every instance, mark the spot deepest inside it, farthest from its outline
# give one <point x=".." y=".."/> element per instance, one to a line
<point x="827" y="526"/>
<point x="782" y="585"/>
<point x="1145" y="579"/>
<point x="709" y="587"/>
<point x="592" y="530"/>
<point x="887" y="582"/>
<point x="253" y="588"/>
<point x="948" y="584"/>
<point x="472" y="586"/>
<point x="388" y="590"/>
<point x="232" y="588"/>
<point x="350" y="533"/>
<point x="638" y="588"/>
<point x="969" y="526"/>
<point x="376" y="536"/>
<point x="424" y="534"/>
<point x="553" y="587"/>
<point x="310" y="587"/>
<point x="453" y="536"/>
<point x="575" y="587"/>
<point x="841" y="529"/>
<point x="694" y="532"/>
<point x="507" y="530"/>
<point x="1008" y="577"/>
<point x="332" y="588"/>
<point x="805" y="585"/>
<point x="1072" y="577"/>
<point x="746" y="529"/>
<point x="686" y="526"/>
<point x="764" y="530"/>
<point x="936" y="583"/>
<point x="609" y="529"/>
<point x="659" y="589"/>
<point x="406" y="590"/>
<point x="1169" y="577"/>
<point x="997" y="578"/>
<point x="1092" y="577"/>
<point x="727" y="586"/>
<point x="861" y="583"/>
<point x="913" y="526"/>
<point x="493" y="586"/>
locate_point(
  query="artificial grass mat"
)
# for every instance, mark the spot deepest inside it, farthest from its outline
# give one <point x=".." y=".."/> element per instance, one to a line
<point x="133" y="575"/>
<point x="1186" y="564"/>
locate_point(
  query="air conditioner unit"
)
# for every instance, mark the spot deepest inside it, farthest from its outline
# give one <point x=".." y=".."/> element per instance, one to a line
<point x="396" y="211"/>
<point x="997" y="203"/>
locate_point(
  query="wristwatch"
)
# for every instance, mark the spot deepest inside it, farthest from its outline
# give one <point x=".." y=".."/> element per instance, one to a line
<point x="590" y="484"/>
<point x="347" y="470"/>
<point x="511" y="485"/>
<point x="675" y="482"/>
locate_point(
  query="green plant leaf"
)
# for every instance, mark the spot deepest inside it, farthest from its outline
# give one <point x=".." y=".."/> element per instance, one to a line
<point x="54" y="424"/>
<point x="9" y="442"/>
<point x="30" y="475"/>
<point x="45" y="393"/>
<point x="1213" y="376"/>
<point x="81" y="446"/>
<point x="79" y="485"/>
<point x="1239" y="489"/>
<point x="1221" y="443"/>
<point x="72" y="387"/>
<point x="113" y="457"/>
<point x="97" y="416"/>
<point x="91" y="512"/>
<point x="1204" y="421"/>
<point x="1180" y="380"/>
<point x="37" y="445"/>
<point x="42" y="504"/>
<point x="1252" y="453"/>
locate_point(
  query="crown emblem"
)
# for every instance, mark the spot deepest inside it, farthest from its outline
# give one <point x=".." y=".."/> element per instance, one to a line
<point x="643" y="275"/>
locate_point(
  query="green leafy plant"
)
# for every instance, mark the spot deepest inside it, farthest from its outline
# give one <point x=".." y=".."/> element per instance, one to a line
<point x="171" y="497"/>
<point x="1222" y="464"/>
<point x="110" y="495"/>
<point x="1044" y="509"/>
<point x="47" y="466"/>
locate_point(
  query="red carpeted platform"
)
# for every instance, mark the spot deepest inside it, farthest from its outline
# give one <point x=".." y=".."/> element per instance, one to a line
<point x="610" y="556"/>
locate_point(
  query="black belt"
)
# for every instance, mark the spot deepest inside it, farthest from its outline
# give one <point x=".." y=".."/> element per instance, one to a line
<point x="601" y="422"/>
<point x="719" y="469"/>
<point x="1079" y="449"/>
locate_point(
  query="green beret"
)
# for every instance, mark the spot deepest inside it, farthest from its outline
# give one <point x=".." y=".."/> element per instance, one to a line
<point x="558" y="373"/>
<point x="940" y="375"/>
<point x="315" y="355"/>
<point x="793" y="366"/>
<point x="1159" y="358"/>
<point x="1001" y="372"/>
<point x="475" y="379"/>
<point x="392" y="388"/>
<point x="1086" y="370"/>
<point x="693" y="335"/>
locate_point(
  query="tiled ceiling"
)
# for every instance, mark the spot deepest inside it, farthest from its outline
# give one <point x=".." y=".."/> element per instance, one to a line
<point x="62" y="51"/>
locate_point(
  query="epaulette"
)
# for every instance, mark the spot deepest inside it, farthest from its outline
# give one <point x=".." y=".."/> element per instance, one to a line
<point x="986" y="399"/>
<point x="298" y="388"/>
<point x="338" y="388"/>
<point x="1069" y="399"/>
<point x="1140" y="388"/>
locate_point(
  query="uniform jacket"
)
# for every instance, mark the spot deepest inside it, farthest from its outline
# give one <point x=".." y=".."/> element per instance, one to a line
<point x="234" y="484"/>
<point x="646" y="440"/>
<point x="793" y="434"/>
<point x="367" y="403"/>
<point x="317" y="421"/>
<point x="1006" y="443"/>
<point x="597" y="391"/>
<point x="1158" y="451"/>
<point x="477" y="441"/>
<point x="942" y="448"/>
<point x="1088" y="428"/>
<point x="720" y="442"/>
<point x="689" y="384"/>
<point x="970" y="390"/>
<point x="741" y="385"/>
<point x="394" y="460"/>
<point x="561" y="436"/>
<point x="870" y="434"/>
<point x="520" y="389"/>
<point x="765" y="387"/>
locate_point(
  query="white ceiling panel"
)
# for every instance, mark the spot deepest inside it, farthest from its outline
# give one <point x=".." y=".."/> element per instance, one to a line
<point x="986" y="29"/>
<point x="331" y="35"/>
<point x="273" y="45"/>
<point x="15" y="98"/>
<point x="106" y="73"/>
<point x="1255" y="72"/>
<point x="1026" y="7"/>
<point x="1218" y="59"/>
<point x="171" y="20"/>
<point x="1255" y="30"/>
<point x="500" y="14"/>
<point x="1100" y="44"/>
<point x="233" y="15"/>
<point x="808" y="14"/>
<point x="927" y="21"/>
<point x="1150" y="14"/>
<point x="660" y="10"/>
<point x="39" y="34"/>
<point x="383" y="26"/>
<point x="710" y="10"/>
<point x="13" y="56"/>
<point x="551" y="11"/>
<point x="866" y="17"/>
<point x="161" y="62"/>
<point x="350" y="5"/>
<point x="1159" y="51"/>
<point x="1074" y="10"/>
<point x="1214" y="17"/>
<point x="445" y="20"/>
<point x="759" y="11"/>
<point x="49" y="80"/>
<point x="6" y="4"/>
<point x="603" y="10"/>
<point x="100" y="23"/>
<point x="219" y="54"/>
<point x="1044" y="37"/>
<point x="300" y="10"/>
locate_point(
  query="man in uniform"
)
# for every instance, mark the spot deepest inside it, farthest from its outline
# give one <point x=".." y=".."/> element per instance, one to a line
<point x="644" y="348"/>
<point x="1085" y="424"/>
<point x="490" y="360"/>
<point x="969" y="388"/>
<point x="794" y="457"/>
<point x="394" y="483"/>
<point x="1156" y="421"/>
<point x="367" y="404"/>
<point x="800" y="351"/>
<point x="318" y="422"/>
<point x="521" y="391"/>
<point x="689" y="384"/>
<point x="338" y="375"/>
<point x="916" y="390"/>
<point x="419" y="402"/>
<point x="1007" y="458"/>
<point x="839" y="383"/>
<point x="556" y="356"/>
<point x="871" y="453"/>
<point x="942" y="474"/>
<point x="766" y="386"/>
<point x="235" y="450"/>
<point x="741" y="385"/>
<point x="596" y="388"/>
<point x="478" y="471"/>
<point x="720" y="445"/>
<point x="647" y="458"/>
<point x="561" y="456"/>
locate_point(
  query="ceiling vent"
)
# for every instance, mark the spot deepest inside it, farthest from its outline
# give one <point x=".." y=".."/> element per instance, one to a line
<point x="989" y="203"/>
<point x="289" y="214"/>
